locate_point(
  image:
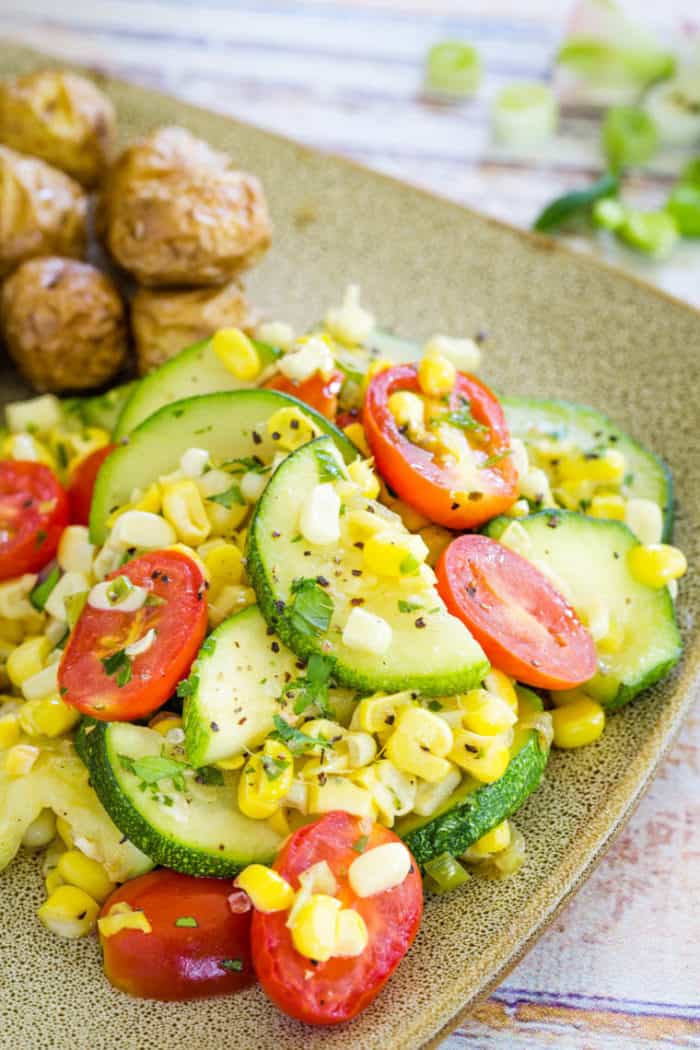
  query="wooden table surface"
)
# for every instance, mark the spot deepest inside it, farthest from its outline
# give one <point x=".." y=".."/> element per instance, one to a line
<point x="620" y="968"/>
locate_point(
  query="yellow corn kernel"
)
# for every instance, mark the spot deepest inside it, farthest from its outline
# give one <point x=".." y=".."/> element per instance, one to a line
<point x="394" y="555"/>
<point x="77" y="445"/>
<point x="379" y="869"/>
<point x="26" y="446"/>
<point x="235" y="762"/>
<point x="361" y="473"/>
<point x="351" y="935"/>
<point x="9" y="732"/>
<point x="279" y="823"/>
<point x="237" y="353"/>
<point x="484" y="758"/>
<point x="184" y="509"/>
<point x="151" y="501"/>
<point x="486" y="713"/>
<point x="436" y="375"/>
<point x="657" y="564"/>
<point x="290" y="428"/>
<point x="229" y="601"/>
<point x="519" y="509"/>
<point x="265" y="780"/>
<point x="27" y="659"/>
<point x="607" y="466"/>
<point x="164" y="722"/>
<point x="87" y="874"/>
<point x="268" y="891"/>
<point x="356" y="433"/>
<point x="340" y="793"/>
<point x="501" y="685"/>
<point x="375" y="713"/>
<point x="64" y="832"/>
<point x="314" y="932"/>
<point x="437" y="539"/>
<point x="52" y="881"/>
<point x="420" y="743"/>
<point x="376" y="367"/>
<point x="224" y="563"/>
<point x="20" y="759"/>
<point x="408" y="410"/>
<point x="49" y="717"/>
<point x="613" y="640"/>
<point x="494" y="841"/>
<point x="41" y="832"/>
<point x="578" y="723"/>
<point x="69" y="912"/>
<point x="608" y="505"/>
<point x="121" y="916"/>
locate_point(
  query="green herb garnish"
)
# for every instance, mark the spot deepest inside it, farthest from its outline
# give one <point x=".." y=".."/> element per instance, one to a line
<point x="328" y="467"/>
<point x="236" y="965"/>
<point x="496" y="458"/>
<point x="408" y="607"/>
<point x="311" y="608"/>
<point x="187" y="921"/>
<point x="462" y="417"/>
<point x="118" y="666"/>
<point x="274" y="767"/>
<point x="360" y="845"/>
<point x="229" y="498"/>
<point x="576" y="204"/>
<point x="39" y="596"/>
<point x="312" y="687"/>
<point x="296" y="740"/>
<point x="153" y="768"/>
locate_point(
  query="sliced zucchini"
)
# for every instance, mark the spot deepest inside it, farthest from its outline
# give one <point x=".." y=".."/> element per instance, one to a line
<point x="195" y="370"/>
<point x="648" y="477"/>
<point x="229" y="425"/>
<point x="99" y="410"/>
<point x="235" y="689"/>
<point x="190" y="826"/>
<point x="589" y="556"/>
<point x="474" y="808"/>
<point x="430" y="651"/>
<point x="354" y="361"/>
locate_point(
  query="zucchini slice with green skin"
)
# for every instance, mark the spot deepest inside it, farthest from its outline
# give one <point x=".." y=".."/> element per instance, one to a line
<point x="197" y="831"/>
<point x="648" y="477"/>
<point x="194" y="371"/>
<point x="230" y="425"/>
<point x="99" y="410"/>
<point x="474" y="808"/>
<point x="431" y="651"/>
<point x="236" y="687"/>
<point x="589" y="555"/>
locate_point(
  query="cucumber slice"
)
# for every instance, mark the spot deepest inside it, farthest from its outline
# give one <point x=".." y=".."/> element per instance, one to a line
<point x="474" y="808"/>
<point x="354" y="361"/>
<point x="648" y="475"/>
<point x="195" y="370"/>
<point x="223" y="423"/>
<point x="236" y="684"/>
<point x="431" y="651"/>
<point x="99" y="410"/>
<point x="198" y="831"/>
<point x="589" y="555"/>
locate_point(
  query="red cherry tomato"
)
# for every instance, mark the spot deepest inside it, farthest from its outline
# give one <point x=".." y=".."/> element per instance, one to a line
<point x="178" y="959"/>
<point x="335" y="991"/>
<point x="436" y="491"/>
<point x="344" y="419"/>
<point x="319" y="393"/>
<point x="33" y="514"/>
<point x="131" y="688"/>
<point x="82" y="483"/>
<point x="524" y="625"/>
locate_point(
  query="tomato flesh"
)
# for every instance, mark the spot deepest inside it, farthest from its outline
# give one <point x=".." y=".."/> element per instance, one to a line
<point x="337" y="990"/>
<point x="437" y="491"/>
<point x="82" y="484"/>
<point x="317" y="391"/>
<point x="33" y="514"/>
<point x="524" y="625"/>
<point x="179" y="617"/>
<point x="179" y="960"/>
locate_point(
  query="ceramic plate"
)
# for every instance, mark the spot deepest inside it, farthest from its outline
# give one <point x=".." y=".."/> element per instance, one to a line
<point x="558" y="324"/>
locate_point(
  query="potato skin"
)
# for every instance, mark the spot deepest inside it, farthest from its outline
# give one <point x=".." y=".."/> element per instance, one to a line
<point x="42" y="211"/>
<point x="62" y="118"/>
<point x="176" y="212"/>
<point x="166" y="321"/>
<point x="64" y="324"/>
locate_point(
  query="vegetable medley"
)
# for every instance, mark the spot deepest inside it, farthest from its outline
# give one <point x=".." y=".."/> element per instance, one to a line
<point x="281" y="656"/>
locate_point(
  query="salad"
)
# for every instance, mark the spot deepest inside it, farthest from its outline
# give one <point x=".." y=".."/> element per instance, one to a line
<point x="288" y="628"/>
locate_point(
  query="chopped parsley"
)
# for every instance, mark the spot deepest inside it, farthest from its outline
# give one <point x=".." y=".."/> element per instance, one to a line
<point x="40" y="538"/>
<point x="312" y="687"/>
<point x="274" y="767"/>
<point x="187" y="921"/>
<point x="234" y="965"/>
<point x="328" y="467"/>
<point x="208" y="645"/>
<point x="434" y="705"/>
<point x="311" y="608"/>
<point x="409" y="565"/>
<point x="188" y="687"/>
<point x="39" y="596"/>
<point x="118" y="666"/>
<point x="209" y="775"/>
<point x="246" y="465"/>
<point x="229" y="498"/>
<point x="151" y="769"/>
<point x="296" y="740"/>
<point x="360" y="845"/>
<point x="496" y="458"/>
<point x="462" y="417"/>
<point x="408" y="607"/>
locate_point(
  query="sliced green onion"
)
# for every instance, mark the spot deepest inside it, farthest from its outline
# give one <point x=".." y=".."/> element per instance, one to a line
<point x="444" y="874"/>
<point x="653" y="232"/>
<point x="675" y="108"/>
<point x="40" y="595"/>
<point x="684" y="205"/>
<point x="453" y="68"/>
<point x="629" y="136"/>
<point x="608" y="65"/>
<point x="74" y="605"/>
<point x="576" y="204"/>
<point x="609" y="213"/>
<point x="524" y="114"/>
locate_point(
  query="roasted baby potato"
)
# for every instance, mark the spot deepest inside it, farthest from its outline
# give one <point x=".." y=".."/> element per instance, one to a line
<point x="176" y="212"/>
<point x="166" y="321"/>
<point x="64" y="324"/>
<point x="42" y="211"/>
<point x="62" y="118"/>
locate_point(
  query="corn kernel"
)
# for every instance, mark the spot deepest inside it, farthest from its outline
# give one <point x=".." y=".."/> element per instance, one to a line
<point x="463" y="353"/>
<point x="375" y="369"/>
<point x="235" y="762"/>
<point x="485" y="758"/>
<point x="279" y="823"/>
<point x="164" y="722"/>
<point x="41" y="684"/>
<point x="501" y="685"/>
<point x="608" y="505"/>
<point x="607" y="466"/>
<point x="356" y="433"/>
<point x="351" y="935"/>
<point x="265" y="780"/>
<point x="9" y="731"/>
<point x="224" y="564"/>
<point x="366" y="632"/>
<point x="657" y="564"/>
<point x="52" y="881"/>
<point x="340" y="793"/>
<point x="150" y="502"/>
<point x="419" y="744"/>
<point x="121" y="916"/>
<point x="380" y="869"/>
<point x="49" y="717"/>
<point x="430" y="797"/>
<point x="268" y="891"/>
<point x="314" y="932"/>
<point x="486" y="713"/>
<point x="394" y="554"/>
<point x="41" y="832"/>
<point x="65" y="832"/>
<point x="184" y="509"/>
<point x="362" y="474"/>
<point x="69" y="912"/>
<point x="20" y="759"/>
<point x="375" y="713"/>
<point x="494" y="841"/>
<point x="578" y="723"/>
<point x="142" y="529"/>
<point x="236" y="353"/>
<point x="290" y="428"/>
<point x="230" y="600"/>
<point x="350" y="323"/>
<point x="36" y="415"/>
<point x="436" y="375"/>
<point x="319" y="519"/>
<point x="27" y="659"/>
<point x="25" y="446"/>
<point x="88" y="875"/>
<point x="408" y="410"/>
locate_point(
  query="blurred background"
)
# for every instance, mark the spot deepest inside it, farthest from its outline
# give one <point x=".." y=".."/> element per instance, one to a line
<point x="618" y="970"/>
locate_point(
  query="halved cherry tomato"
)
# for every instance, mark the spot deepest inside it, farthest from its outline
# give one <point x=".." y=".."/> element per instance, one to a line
<point x="438" y="491"/>
<point x="344" y="419"/>
<point x="320" y="393"/>
<point x="82" y="483"/>
<point x="33" y="514"/>
<point x="524" y="625"/>
<point x="131" y="688"/>
<point x="197" y="945"/>
<point x="334" y="991"/>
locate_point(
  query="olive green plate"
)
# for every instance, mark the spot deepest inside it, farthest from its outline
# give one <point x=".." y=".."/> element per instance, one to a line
<point x="558" y="324"/>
